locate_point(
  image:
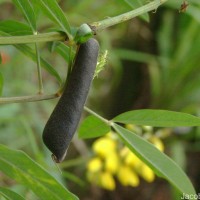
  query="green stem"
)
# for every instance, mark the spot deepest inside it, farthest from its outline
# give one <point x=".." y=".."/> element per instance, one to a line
<point x="100" y="25"/>
<point x="31" y="98"/>
<point x="58" y="36"/>
<point x="96" y="26"/>
<point x="42" y="37"/>
<point x="97" y="115"/>
<point x="39" y="69"/>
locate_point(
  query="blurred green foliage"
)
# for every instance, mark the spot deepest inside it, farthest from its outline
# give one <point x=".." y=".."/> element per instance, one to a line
<point x="150" y="64"/>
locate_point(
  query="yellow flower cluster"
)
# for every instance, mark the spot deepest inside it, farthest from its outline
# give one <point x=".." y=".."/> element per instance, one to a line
<point x="113" y="160"/>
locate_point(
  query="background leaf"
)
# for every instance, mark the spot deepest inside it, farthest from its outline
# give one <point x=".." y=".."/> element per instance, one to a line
<point x="63" y="50"/>
<point x="9" y="194"/>
<point x="18" y="166"/>
<point x="132" y="55"/>
<point x="52" y="10"/>
<point x="157" y="118"/>
<point x="1" y="83"/>
<point x="27" y="9"/>
<point x="93" y="127"/>
<point x="159" y="162"/>
<point x="13" y="27"/>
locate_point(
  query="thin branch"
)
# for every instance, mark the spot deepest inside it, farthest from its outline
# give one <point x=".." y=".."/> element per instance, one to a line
<point x="100" y="25"/>
<point x="31" y="98"/>
<point x="96" y="26"/>
<point x="97" y="115"/>
<point x="39" y="69"/>
<point x="25" y="39"/>
<point x="58" y="36"/>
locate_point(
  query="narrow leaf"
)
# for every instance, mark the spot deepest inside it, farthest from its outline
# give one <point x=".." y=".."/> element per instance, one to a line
<point x="132" y="55"/>
<point x="1" y="83"/>
<point x="18" y="166"/>
<point x="93" y="127"/>
<point x="64" y="51"/>
<point x="9" y="194"/>
<point x="13" y="27"/>
<point x="157" y="118"/>
<point x="52" y="10"/>
<point x="161" y="164"/>
<point x="27" y="9"/>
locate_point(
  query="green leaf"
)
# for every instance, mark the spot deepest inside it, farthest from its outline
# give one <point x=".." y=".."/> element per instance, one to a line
<point x="161" y="164"/>
<point x="13" y="27"/>
<point x="1" y="83"/>
<point x="52" y="10"/>
<point x="93" y="127"/>
<point x="21" y="168"/>
<point x="27" y="9"/>
<point x="9" y="194"/>
<point x="157" y="118"/>
<point x="64" y="51"/>
<point x="126" y="54"/>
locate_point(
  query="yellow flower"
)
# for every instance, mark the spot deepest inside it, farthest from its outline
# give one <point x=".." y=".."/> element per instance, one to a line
<point x="132" y="160"/>
<point x="93" y="177"/>
<point x="107" y="181"/>
<point x="94" y="165"/>
<point x="134" y="128"/>
<point x="157" y="143"/>
<point x="164" y="132"/>
<point x="112" y="162"/>
<point x="127" y="176"/>
<point x="148" y="128"/>
<point x="104" y="146"/>
<point x="124" y="152"/>
<point x="130" y="127"/>
<point x="147" y="173"/>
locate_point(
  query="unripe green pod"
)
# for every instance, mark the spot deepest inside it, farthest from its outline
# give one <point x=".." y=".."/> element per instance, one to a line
<point x="63" y="122"/>
<point x="83" y="34"/>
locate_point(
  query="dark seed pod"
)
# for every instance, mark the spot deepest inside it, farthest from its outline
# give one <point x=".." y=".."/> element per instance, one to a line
<point x="64" y="119"/>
